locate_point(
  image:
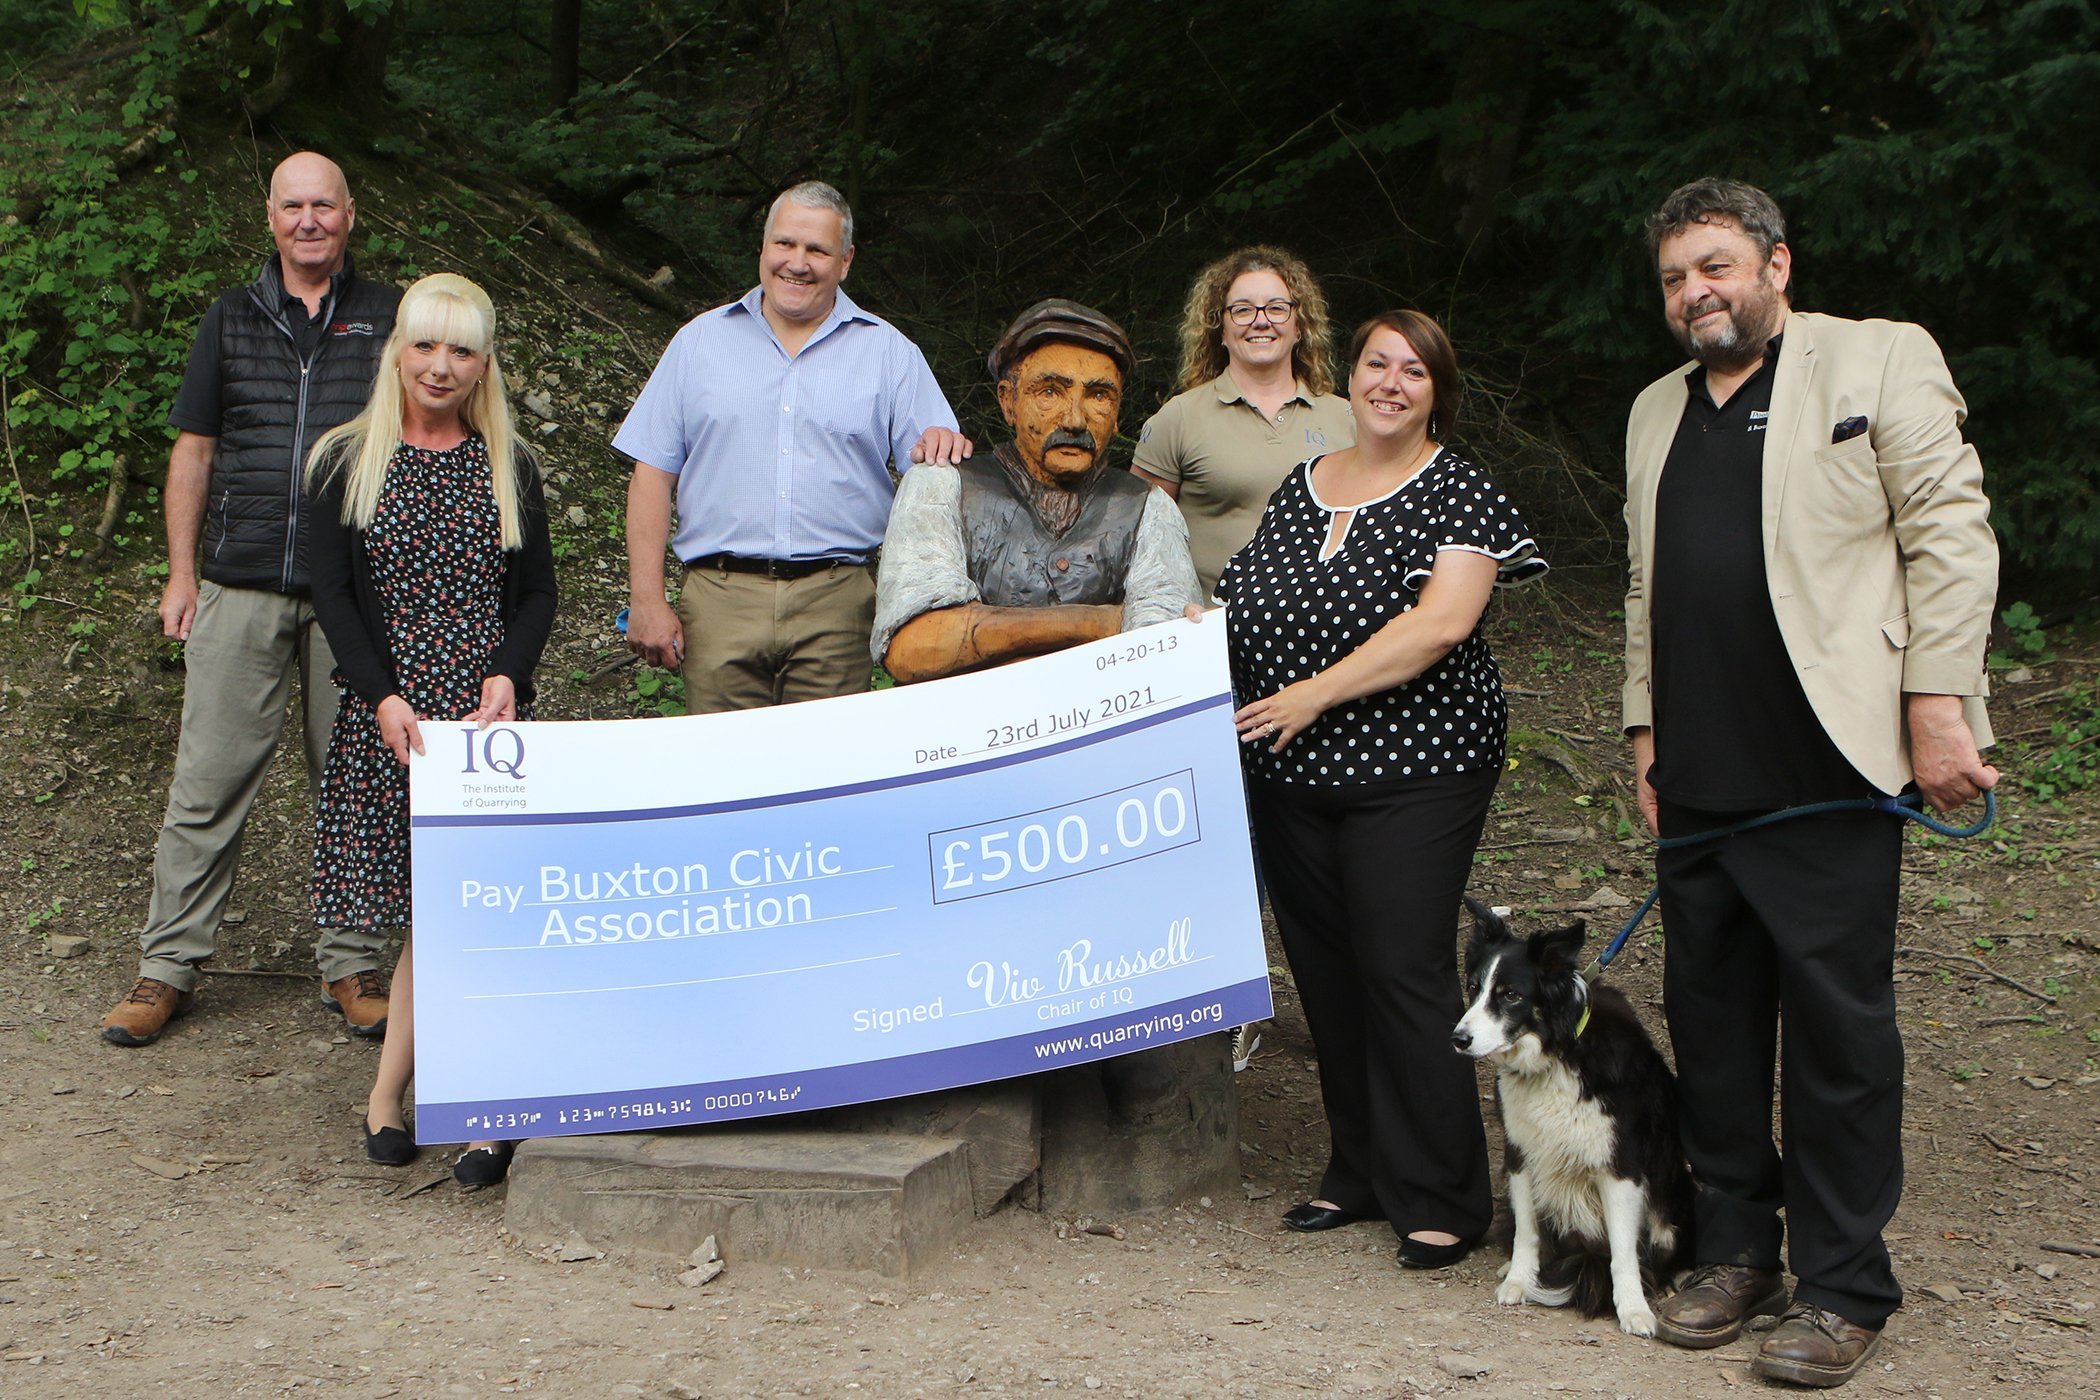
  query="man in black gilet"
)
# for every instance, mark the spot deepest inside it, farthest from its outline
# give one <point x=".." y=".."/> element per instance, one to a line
<point x="1042" y="545"/>
<point x="275" y="364"/>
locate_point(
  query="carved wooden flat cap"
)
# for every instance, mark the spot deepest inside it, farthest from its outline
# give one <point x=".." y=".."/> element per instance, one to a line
<point x="1054" y="318"/>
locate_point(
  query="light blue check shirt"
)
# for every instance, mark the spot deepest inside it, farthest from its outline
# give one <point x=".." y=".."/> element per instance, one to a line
<point x="779" y="457"/>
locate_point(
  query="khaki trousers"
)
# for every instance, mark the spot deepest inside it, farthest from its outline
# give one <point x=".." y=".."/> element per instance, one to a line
<point x="752" y="641"/>
<point x="245" y="646"/>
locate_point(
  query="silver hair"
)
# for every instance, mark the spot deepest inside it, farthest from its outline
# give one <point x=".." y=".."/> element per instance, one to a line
<point x="815" y="194"/>
<point x="1702" y="201"/>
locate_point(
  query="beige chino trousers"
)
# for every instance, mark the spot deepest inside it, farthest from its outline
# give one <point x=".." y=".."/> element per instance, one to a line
<point x="752" y="641"/>
<point x="245" y="646"/>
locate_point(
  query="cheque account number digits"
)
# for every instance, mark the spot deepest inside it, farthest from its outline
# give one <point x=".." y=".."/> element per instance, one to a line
<point x="1096" y="831"/>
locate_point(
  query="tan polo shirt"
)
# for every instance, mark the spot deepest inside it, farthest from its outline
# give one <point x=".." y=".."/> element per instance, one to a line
<point x="1229" y="459"/>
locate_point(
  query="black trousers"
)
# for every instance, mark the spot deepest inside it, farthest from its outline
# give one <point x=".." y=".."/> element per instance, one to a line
<point x="1785" y="937"/>
<point x="1365" y="883"/>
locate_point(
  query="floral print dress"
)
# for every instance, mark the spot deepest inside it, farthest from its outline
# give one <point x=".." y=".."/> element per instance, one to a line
<point x="435" y="549"/>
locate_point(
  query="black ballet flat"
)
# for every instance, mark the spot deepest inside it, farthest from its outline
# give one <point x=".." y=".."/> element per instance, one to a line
<point x="484" y="1166"/>
<point x="1307" y="1218"/>
<point x="389" y="1147"/>
<point x="1419" y="1254"/>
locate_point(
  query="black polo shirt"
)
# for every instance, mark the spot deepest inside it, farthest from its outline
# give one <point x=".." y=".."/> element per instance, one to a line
<point x="1733" y="730"/>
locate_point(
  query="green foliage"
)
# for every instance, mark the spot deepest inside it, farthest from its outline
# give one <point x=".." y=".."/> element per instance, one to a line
<point x="1932" y="160"/>
<point x="2067" y="757"/>
<point x="280" y="17"/>
<point x="2029" y="643"/>
<point x="390" y="251"/>
<point x="617" y="142"/>
<point x="1934" y="164"/>
<point x="35" y="28"/>
<point x="96" y="304"/>
<point x="655" y="692"/>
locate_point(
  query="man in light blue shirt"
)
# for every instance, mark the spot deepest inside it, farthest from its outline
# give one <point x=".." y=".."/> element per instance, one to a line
<point x="771" y="422"/>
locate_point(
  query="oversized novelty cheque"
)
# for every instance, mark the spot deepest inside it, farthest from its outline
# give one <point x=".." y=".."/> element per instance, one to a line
<point x="638" y="924"/>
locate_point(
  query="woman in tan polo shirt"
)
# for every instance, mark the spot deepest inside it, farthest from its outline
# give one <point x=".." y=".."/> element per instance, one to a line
<point x="1257" y="398"/>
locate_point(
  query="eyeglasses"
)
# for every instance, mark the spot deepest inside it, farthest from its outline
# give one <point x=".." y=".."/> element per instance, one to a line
<point x="1278" y="312"/>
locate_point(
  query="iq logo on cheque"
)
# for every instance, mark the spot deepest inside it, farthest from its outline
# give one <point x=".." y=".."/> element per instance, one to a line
<point x="495" y="750"/>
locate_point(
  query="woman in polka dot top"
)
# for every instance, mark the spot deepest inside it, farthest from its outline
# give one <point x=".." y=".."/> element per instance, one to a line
<point x="1373" y="723"/>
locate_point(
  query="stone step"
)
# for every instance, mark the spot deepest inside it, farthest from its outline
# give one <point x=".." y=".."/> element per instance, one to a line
<point x="884" y="1202"/>
<point x="1001" y="1122"/>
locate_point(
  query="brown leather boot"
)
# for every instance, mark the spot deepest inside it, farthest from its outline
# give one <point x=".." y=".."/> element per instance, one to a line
<point x="1715" y="1302"/>
<point x="1814" y="1346"/>
<point x="144" y="1013"/>
<point x="362" y="998"/>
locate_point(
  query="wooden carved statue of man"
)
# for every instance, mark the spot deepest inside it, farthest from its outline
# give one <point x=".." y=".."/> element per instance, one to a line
<point x="1043" y="544"/>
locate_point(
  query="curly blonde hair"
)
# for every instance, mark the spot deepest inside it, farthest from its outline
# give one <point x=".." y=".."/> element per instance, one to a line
<point x="1203" y="355"/>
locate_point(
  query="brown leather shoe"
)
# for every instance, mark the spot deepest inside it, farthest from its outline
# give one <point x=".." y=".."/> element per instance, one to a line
<point x="1715" y="1302"/>
<point x="1814" y="1346"/>
<point x="144" y="1013"/>
<point x="361" y="997"/>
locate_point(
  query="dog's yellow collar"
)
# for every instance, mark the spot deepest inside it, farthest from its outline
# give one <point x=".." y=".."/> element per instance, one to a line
<point x="1583" y="1024"/>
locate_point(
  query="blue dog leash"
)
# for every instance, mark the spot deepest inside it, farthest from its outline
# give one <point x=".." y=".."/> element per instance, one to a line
<point x="1910" y="806"/>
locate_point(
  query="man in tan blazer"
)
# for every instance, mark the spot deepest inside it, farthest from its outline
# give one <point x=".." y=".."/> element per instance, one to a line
<point x="1813" y="575"/>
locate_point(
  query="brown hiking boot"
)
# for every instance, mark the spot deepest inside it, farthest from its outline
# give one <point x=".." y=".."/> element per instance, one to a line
<point x="1715" y="1302"/>
<point x="361" y="997"/>
<point x="1814" y="1346"/>
<point x="144" y="1013"/>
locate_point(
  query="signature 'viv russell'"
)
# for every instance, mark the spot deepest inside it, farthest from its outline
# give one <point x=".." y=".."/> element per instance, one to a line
<point x="1079" y="966"/>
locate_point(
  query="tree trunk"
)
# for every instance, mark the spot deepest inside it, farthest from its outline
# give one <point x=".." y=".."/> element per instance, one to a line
<point x="360" y="68"/>
<point x="1497" y="72"/>
<point x="564" y="47"/>
<point x="330" y="55"/>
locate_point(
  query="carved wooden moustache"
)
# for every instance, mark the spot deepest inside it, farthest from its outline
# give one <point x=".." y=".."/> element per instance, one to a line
<point x="1078" y="438"/>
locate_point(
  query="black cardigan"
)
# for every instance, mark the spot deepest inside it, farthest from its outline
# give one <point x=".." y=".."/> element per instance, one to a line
<point x="347" y="605"/>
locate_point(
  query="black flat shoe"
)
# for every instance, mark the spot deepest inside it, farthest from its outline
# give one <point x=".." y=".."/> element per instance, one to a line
<point x="1308" y="1217"/>
<point x="390" y="1147"/>
<point x="1418" y="1254"/>
<point x="484" y="1166"/>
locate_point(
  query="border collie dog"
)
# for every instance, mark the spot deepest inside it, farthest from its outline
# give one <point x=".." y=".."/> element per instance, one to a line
<point x="1598" y="1185"/>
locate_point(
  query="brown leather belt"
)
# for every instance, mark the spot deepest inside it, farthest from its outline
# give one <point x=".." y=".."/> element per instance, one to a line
<point x="773" y="568"/>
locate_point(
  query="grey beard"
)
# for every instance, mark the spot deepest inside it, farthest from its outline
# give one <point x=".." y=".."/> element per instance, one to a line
<point x="1731" y="348"/>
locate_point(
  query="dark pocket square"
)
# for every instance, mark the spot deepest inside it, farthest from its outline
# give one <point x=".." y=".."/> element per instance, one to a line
<point x="1849" y="429"/>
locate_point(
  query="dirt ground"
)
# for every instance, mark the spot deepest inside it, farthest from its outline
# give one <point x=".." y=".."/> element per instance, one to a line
<point x="197" y="1216"/>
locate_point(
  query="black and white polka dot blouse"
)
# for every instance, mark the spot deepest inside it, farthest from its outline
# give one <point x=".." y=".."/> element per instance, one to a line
<point x="1293" y="614"/>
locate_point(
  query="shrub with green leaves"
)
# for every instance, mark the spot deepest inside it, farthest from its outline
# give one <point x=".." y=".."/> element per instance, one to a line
<point x="2023" y="628"/>
<point x="97" y="302"/>
<point x="2068" y="755"/>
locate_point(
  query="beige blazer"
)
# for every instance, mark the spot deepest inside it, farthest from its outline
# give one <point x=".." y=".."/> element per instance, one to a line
<point x="1878" y="549"/>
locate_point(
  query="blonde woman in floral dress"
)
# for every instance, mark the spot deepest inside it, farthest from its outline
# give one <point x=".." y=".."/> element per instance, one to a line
<point x="433" y="577"/>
